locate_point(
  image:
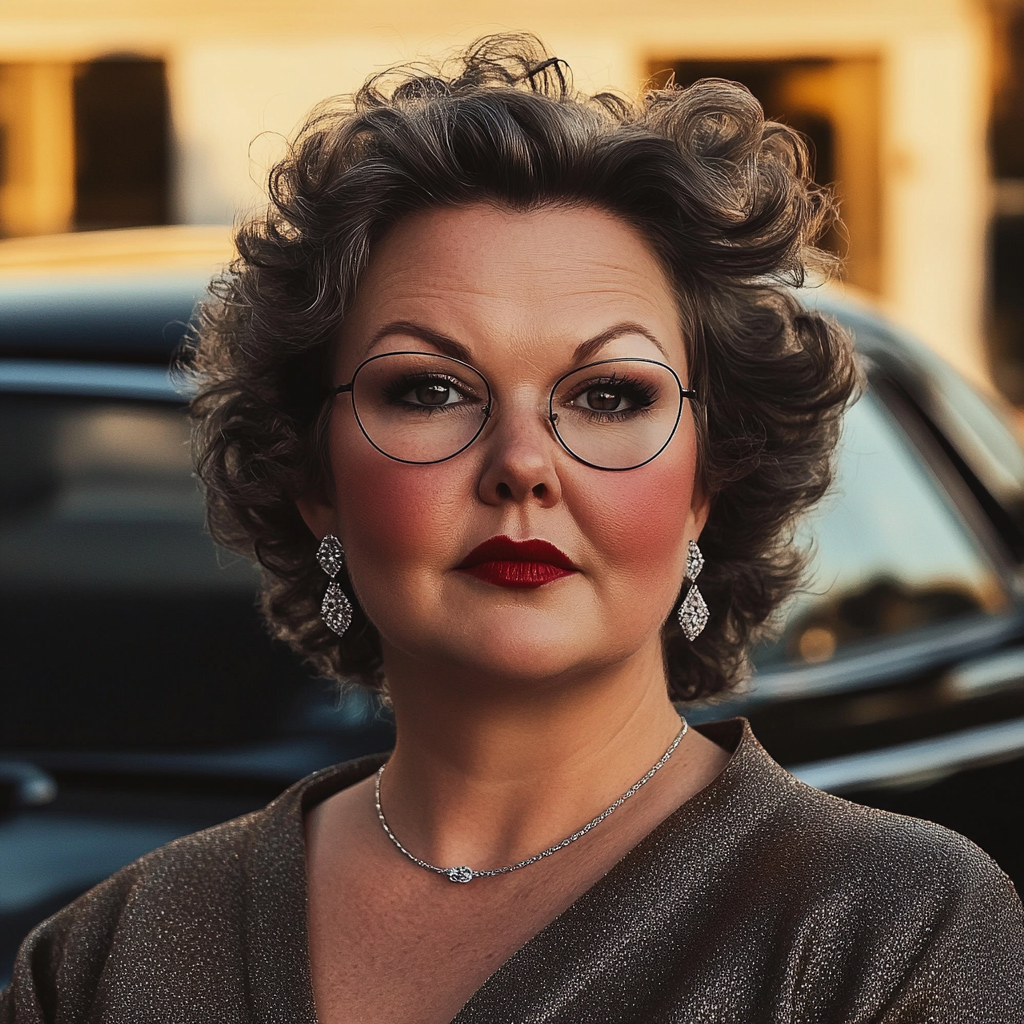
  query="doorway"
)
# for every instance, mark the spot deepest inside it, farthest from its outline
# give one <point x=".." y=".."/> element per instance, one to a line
<point x="122" y="150"/>
<point x="835" y="104"/>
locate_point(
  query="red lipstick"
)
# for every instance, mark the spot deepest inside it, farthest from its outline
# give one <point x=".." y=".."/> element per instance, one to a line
<point x="510" y="563"/>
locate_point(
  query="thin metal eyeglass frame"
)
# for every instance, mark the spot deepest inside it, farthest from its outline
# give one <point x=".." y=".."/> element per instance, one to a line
<point x="485" y="411"/>
<point x="552" y="417"/>
<point x="684" y="393"/>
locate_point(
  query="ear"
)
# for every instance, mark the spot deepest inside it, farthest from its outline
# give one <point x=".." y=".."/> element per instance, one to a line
<point x="700" y="508"/>
<point x="318" y="514"/>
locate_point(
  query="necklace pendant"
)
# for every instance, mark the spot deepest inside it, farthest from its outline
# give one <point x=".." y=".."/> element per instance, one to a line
<point x="460" y="874"/>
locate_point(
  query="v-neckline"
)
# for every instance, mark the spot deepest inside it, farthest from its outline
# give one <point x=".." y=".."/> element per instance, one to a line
<point x="734" y="734"/>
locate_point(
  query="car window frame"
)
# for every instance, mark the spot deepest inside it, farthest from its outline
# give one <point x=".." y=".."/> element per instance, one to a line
<point x="906" y="359"/>
<point x="870" y="664"/>
<point x="926" y="440"/>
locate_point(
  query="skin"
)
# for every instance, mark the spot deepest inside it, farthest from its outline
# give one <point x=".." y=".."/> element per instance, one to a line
<point x="521" y="714"/>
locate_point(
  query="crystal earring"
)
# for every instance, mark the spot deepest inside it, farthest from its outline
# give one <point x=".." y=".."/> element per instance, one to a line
<point x="336" y="608"/>
<point x="693" y="612"/>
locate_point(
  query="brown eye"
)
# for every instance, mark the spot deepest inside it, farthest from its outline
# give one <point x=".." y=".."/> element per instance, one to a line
<point x="612" y="396"/>
<point x="602" y="400"/>
<point x="433" y="394"/>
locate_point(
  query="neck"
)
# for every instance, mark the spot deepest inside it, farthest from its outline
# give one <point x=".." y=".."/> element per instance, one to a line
<point x="489" y="771"/>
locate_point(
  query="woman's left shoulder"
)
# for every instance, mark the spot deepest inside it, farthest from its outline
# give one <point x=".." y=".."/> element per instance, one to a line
<point x="881" y="908"/>
<point x="853" y="845"/>
<point x="820" y="834"/>
<point x="912" y="855"/>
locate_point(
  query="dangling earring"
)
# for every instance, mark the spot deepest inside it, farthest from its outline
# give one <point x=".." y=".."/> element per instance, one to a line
<point x="693" y="612"/>
<point x="336" y="608"/>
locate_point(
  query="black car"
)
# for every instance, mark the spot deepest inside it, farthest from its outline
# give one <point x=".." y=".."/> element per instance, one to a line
<point x="141" y="698"/>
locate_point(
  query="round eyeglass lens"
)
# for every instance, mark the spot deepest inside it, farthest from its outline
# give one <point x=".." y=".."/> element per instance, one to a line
<point x="419" y="407"/>
<point x="617" y="414"/>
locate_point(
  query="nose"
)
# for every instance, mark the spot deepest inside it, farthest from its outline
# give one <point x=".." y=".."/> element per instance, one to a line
<point x="520" y="459"/>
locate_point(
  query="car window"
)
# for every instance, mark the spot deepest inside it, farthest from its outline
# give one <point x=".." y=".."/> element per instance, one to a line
<point x="983" y="433"/>
<point x="123" y="624"/>
<point x="890" y="553"/>
<point x="981" y="428"/>
<point x="100" y="496"/>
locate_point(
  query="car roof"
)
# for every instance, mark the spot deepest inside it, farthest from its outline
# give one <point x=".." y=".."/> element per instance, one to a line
<point x="119" y="296"/>
<point x="127" y="295"/>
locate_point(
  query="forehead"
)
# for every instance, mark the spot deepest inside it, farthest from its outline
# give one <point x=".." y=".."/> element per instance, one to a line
<point x="537" y="283"/>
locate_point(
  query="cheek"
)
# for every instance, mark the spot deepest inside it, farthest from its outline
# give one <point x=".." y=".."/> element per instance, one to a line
<point x="394" y="516"/>
<point x="638" y="520"/>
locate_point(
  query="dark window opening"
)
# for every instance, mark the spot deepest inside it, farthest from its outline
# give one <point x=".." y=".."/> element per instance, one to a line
<point x="1006" y="236"/>
<point x="1006" y="322"/>
<point x="3" y="155"/>
<point x="1007" y="139"/>
<point x="769" y="82"/>
<point x="835" y="104"/>
<point x="121" y="144"/>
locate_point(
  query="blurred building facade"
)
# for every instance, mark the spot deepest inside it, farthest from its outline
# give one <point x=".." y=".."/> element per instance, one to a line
<point x="126" y="112"/>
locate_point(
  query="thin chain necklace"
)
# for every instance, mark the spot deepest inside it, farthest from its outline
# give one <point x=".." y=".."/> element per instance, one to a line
<point x="466" y="874"/>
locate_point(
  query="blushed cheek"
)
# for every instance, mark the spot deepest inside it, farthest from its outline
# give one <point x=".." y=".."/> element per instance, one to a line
<point x="394" y="516"/>
<point x="639" y="519"/>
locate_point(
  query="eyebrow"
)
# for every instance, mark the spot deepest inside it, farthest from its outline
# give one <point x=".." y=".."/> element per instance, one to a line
<point x="585" y="350"/>
<point x="450" y="347"/>
<point x="444" y="344"/>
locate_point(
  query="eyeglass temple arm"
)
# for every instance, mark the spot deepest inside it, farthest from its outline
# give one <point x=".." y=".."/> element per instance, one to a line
<point x="687" y="393"/>
<point x="341" y="388"/>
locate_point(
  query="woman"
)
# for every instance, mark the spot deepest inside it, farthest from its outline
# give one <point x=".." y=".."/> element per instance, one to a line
<point x="496" y="361"/>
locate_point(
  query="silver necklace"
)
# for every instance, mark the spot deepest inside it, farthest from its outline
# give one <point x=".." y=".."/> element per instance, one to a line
<point x="466" y="874"/>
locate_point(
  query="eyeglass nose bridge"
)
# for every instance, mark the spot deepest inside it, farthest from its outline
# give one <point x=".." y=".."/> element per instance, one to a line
<point x="544" y="411"/>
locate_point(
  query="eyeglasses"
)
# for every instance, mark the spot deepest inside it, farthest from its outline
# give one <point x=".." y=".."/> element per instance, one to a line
<point x="422" y="408"/>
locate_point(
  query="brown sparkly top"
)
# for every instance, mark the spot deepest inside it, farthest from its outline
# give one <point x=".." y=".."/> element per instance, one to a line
<point x="759" y="901"/>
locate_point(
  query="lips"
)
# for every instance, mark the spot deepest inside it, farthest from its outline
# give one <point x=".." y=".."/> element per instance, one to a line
<point x="525" y="564"/>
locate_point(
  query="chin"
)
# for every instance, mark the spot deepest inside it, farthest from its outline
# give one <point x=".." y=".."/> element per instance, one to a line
<point x="532" y="648"/>
<point x="540" y="636"/>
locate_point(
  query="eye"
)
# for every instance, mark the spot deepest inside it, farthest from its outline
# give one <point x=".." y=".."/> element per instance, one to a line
<point x="604" y="399"/>
<point x="618" y="396"/>
<point x="433" y="394"/>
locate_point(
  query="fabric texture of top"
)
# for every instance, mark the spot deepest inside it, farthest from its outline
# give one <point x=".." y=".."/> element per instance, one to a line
<point x="759" y="901"/>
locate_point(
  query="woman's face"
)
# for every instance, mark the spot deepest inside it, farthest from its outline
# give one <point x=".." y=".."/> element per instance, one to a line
<point x="515" y="295"/>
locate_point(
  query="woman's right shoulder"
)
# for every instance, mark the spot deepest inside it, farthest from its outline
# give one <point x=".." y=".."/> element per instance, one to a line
<point x="199" y="876"/>
<point x="180" y="926"/>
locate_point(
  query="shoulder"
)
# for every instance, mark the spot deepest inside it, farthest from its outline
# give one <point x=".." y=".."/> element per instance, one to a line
<point x="878" y="848"/>
<point x="821" y="865"/>
<point x="217" y="862"/>
<point x="820" y="835"/>
<point x="865" y="907"/>
<point x="212" y="862"/>
<point x="149" y="914"/>
<point x="924" y="869"/>
<point x="214" y="900"/>
<point x="905" y="908"/>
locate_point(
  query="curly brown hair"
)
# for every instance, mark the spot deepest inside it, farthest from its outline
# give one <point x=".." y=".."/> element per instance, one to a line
<point x="724" y="198"/>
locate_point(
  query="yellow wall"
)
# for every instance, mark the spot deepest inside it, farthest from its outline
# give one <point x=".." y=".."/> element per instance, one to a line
<point x="37" y="194"/>
<point x="239" y="68"/>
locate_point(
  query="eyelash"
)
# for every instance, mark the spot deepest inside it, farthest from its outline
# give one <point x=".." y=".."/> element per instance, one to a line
<point x="643" y="393"/>
<point x="398" y="389"/>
